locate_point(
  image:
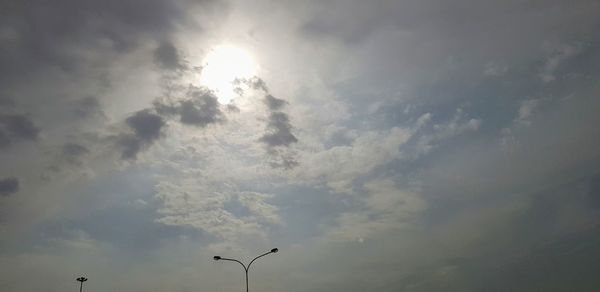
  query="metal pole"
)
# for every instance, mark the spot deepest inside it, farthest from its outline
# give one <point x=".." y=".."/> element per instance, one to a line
<point x="247" y="280"/>
<point x="81" y="280"/>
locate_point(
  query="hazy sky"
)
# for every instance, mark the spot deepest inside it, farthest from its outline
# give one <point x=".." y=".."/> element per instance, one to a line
<point x="409" y="145"/>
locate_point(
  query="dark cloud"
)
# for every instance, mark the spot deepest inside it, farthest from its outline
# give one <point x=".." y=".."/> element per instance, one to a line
<point x="166" y="107"/>
<point x="200" y="109"/>
<point x="561" y="264"/>
<point x="9" y="186"/>
<point x="4" y="139"/>
<point x="130" y="146"/>
<point x="14" y="127"/>
<point x="279" y="131"/>
<point x="282" y="158"/>
<point x="255" y="83"/>
<point x="278" y="134"/>
<point x="6" y="102"/>
<point x="41" y="33"/>
<point x="20" y="126"/>
<point x="146" y="127"/>
<point x="593" y="194"/>
<point x="438" y="17"/>
<point x="232" y="108"/>
<point x="279" y="128"/>
<point x="448" y="29"/>
<point x="74" y="152"/>
<point x="167" y="56"/>
<point x="279" y="137"/>
<point x="258" y="83"/>
<point x="274" y="103"/>
<point x="88" y="107"/>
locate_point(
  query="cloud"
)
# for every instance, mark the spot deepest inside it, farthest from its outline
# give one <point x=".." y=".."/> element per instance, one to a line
<point x="258" y="207"/>
<point x="283" y="158"/>
<point x="559" y="54"/>
<point x="146" y="127"/>
<point x="199" y="108"/>
<point x="389" y="76"/>
<point x="279" y="131"/>
<point x="196" y="204"/>
<point x="384" y="207"/>
<point x="494" y="69"/>
<point x="15" y="127"/>
<point x="88" y="107"/>
<point x="130" y="145"/>
<point x="122" y="23"/>
<point x="167" y="56"/>
<point x="195" y="105"/>
<point x="7" y="102"/>
<point x="279" y="136"/>
<point x="258" y="84"/>
<point x="340" y="165"/>
<point x="274" y="103"/>
<point x="9" y="186"/>
<point x="526" y="110"/>
<point x="4" y="139"/>
<point x="439" y="133"/>
<point x="255" y="83"/>
<point x="74" y="152"/>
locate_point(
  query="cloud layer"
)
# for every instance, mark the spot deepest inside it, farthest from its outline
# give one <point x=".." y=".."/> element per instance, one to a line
<point x="383" y="145"/>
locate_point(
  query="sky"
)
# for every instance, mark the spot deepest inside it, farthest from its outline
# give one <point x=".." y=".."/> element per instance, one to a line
<point x="408" y="145"/>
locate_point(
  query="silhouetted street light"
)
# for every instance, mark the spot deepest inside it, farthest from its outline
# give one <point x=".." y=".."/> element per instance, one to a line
<point x="81" y="280"/>
<point x="216" y="258"/>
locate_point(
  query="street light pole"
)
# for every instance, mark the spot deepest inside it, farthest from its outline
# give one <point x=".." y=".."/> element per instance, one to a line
<point x="246" y="268"/>
<point x="81" y="280"/>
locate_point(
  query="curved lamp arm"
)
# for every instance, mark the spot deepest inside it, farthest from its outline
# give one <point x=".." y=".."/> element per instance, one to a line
<point x="234" y="260"/>
<point x="262" y="255"/>
<point x="217" y="258"/>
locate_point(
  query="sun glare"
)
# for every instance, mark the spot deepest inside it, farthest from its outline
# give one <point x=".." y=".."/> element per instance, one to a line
<point x="222" y="66"/>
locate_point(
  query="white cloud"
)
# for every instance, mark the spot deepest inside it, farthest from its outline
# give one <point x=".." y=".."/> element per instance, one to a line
<point x="559" y="53"/>
<point x="495" y="69"/>
<point x="258" y="206"/>
<point x="386" y="207"/>
<point x="339" y="166"/>
<point x="526" y="111"/>
<point x="459" y="124"/>
<point x="200" y="171"/>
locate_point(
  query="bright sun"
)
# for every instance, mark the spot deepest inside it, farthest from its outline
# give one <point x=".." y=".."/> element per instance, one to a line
<point x="222" y="66"/>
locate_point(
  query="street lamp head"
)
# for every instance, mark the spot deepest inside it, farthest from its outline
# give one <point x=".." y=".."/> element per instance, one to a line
<point x="82" y="279"/>
<point x="274" y="250"/>
<point x="217" y="258"/>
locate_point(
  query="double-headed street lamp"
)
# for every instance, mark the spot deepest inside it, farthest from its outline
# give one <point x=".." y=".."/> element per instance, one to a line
<point x="81" y="280"/>
<point x="246" y="267"/>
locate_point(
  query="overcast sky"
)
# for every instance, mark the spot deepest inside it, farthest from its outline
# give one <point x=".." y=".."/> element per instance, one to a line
<point x="409" y="145"/>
